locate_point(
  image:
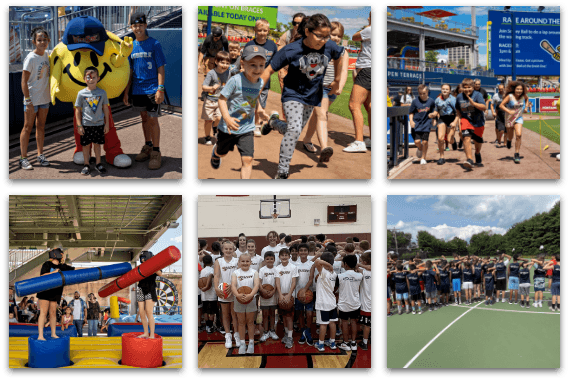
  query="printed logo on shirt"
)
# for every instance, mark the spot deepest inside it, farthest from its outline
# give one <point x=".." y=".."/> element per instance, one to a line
<point x="93" y="102"/>
<point x="229" y="268"/>
<point x="313" y="65"/>
<point x="267" y="274"/>
<point x="43" y="70"/>
<point x="426" y="109"/>
<point x="241" y="278"/>
<point x="304" y="270"/>
<point x="142" y="54"/>
<point x="283" y="272"/>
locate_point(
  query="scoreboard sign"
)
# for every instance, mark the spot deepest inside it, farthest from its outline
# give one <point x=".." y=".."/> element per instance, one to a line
<point x="343" y="214"/>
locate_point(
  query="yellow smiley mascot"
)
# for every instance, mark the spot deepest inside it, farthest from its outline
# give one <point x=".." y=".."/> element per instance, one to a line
<point x="86" y="43"/>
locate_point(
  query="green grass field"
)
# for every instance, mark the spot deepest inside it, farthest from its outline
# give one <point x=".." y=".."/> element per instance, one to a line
<point x="545" y="130"/>
<point x="340" y="105"/>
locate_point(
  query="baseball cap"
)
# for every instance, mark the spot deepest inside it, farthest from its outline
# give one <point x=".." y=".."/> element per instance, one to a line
<point x="216" y="32"/>
<point x="85" y="32"/>
<point x="253" y="51"/>
<point x="137" y="18"/>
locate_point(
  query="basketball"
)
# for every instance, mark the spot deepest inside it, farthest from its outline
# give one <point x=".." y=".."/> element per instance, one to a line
<point x="225" y="289"/>
<point x="305" y="296"/>
<point x="203" y="282"/>
<point x="244" y="290"/>
<point x="285" y="305"/>
<point x="267" y="288"/>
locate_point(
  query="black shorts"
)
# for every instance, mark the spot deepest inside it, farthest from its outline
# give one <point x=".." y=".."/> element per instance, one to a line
<point x="365" y="318"/>
<point x="199" y="300"/>
<point x="501" y="284"/>
<point x="500" y="121"/>
<point x="93" y="134"/>
<point x="489" y="292"/>
<point x="447" y="119"/>
<point x="470" y="133"/>
<point x="415" y="297"/>
<point x="146" y="102"/>
<point x="226" y="142"/>
<point x="345" y="315"/>
<point x="363" y="79"/>
<point x="424" y="136"/>
<point x="209" y="307"/>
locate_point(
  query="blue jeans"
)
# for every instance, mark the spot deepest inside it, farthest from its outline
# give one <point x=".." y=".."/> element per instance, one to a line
<point x="79" y="326"/>
<point x="93" y="324"/>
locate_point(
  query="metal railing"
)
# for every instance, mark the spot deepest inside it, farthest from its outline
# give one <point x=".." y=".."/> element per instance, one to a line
<point x="19" y="257"/>
<point x="399" y="138"/>
<point x="415" y="64"/>
<point x="446" y="25"/>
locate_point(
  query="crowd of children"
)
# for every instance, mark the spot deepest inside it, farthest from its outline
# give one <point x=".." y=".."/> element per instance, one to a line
<point x="417" y="285"/>
<point x="279" y="277"/>
<point x="235" y="91"/>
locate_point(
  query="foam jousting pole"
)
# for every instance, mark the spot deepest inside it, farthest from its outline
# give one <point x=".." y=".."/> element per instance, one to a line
<point x="70" y="277"/>
<point x="157" y="262"/>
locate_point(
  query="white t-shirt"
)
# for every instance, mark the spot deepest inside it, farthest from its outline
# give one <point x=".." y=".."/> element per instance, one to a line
<point x="364" y="58"/>
<point x="208" y="295"/>
<point x="325" y="299"/>
<point x="275" y="250"/>
<point x="76" y="305"/>
<point x="245" y="278"/>
<point x="349" y="290"/>
<point x="38" y="83"/>
<point x="256" y="262"/>
<point x="227" y="269"/>
<point x="285" y="276"/>
<point x="267" y="276"/>
<point x="303" y="274"/>
<point x="239" y="253"/>
<point x="365" y="291"/>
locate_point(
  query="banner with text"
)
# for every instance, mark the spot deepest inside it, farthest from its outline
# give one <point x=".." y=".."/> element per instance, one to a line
<point x="235" y="15"/>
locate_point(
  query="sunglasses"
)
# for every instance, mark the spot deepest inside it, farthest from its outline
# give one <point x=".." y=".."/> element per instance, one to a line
<point x="295" y="23"/>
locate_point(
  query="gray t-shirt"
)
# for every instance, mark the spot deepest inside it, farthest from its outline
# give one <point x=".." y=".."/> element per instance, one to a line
<point x="91" y="104"/>
<point x="212" y="78"/>
<point x="364" y="58"/>
<point x="241" y="98"/>
<point x="38" y="84"/>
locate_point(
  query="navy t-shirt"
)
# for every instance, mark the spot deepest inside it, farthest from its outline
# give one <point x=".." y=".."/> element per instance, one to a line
<point x="414" y="285"/>
<point x="306" y="69"/>
<point x="400" y="282"/>
<point x="515" y="270"/>
<point x="429" y="276"/>
<point x="421" y="110"/>
<point x="524" y="275"/>
<point x="467" y="272"/>
<point x="456" y="273"/>
<point x="468" y="111"/>
<point x="489" y="281"/>
<point x="444" y="277"/>
<point x="539" y="272"/>
<point x="271" y="48"/>
<point x="555" y="276"/>
<point x="477" y="271"/>
<point x="500" y="270"/>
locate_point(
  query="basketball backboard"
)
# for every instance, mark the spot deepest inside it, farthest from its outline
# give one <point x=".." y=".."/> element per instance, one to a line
<point x="274" y="208"/>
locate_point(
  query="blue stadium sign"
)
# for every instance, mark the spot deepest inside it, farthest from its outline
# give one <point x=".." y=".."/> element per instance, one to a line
<point x="404" y="75"/>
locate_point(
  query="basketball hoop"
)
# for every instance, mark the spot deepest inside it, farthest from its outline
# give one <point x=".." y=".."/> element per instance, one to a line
<point x="275" y="213"/>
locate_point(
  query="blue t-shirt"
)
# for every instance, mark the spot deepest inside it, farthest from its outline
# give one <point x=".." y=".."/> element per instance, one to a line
<point x="467" y="272"/>
<point x="524" y="275"/>
<point x="429" y="276"/>
<point x="306" y="68"/>
<point x="489" y="281"/>
<point x="456" y="273"/>
<point x="145" y="59"/>
<point x="446" y="106"/>
<point x="515" y="270"/>
<point x="468" y="111"/>
<point x="271" y="48"/>
<point x="241" y="98"/>
<point x="414" y="285"/>
<point x="539" y="271"/>
<point x="477" y="271"/>
<point x="421" y="110"/>
<point x="443" y="274"/>
<point x="556" y="274"/>
<point x="500" y="270"/>
<point x="400" y="282"/>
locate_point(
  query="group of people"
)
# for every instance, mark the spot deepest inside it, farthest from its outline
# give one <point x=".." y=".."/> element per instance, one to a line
<point x="312" y="68"/>
<point x="417" y="285"/>
<point x="464" y="110"/>
<point x="337" y="273"/>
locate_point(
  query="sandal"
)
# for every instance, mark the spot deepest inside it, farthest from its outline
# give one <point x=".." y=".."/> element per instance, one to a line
<point x="310" y="148"/>
<point x="326" y="154"/>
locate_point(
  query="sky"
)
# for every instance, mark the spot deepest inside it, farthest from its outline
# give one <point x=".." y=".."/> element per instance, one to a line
<point x="352" y="18"/>
<point x="447" y="216"/>
<point x="463" y="16"/>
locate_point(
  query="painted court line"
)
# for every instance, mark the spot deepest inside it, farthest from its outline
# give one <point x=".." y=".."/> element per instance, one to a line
<point x="439" y="334"/>
<point x="513" y="311"/>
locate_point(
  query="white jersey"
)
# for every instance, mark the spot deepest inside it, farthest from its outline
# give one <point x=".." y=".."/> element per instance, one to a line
<point x="303" y="274"/>
<point x="256" y="262"/>
<point x="208" y="295"/>
<point x="365" y="291"/>
<point x="325" y="298"/>
<point x="295" y="262"/>
<point x="267" y="276"/>
<point x="275" y="250"/>
<point x="338" y="269"/>
<point x="349" y="289"/>
<point x="239" y="253"/>
<point x="245" y="278"/>
<point x="285" y="276"/>
<point x="227" y="269"/>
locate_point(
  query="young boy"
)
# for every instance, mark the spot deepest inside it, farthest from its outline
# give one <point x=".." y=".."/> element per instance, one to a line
<point x="305" y="310"/>
<point x="209" y="298"/>
<point x="421" y="112"/>
<point x="349" y="301"/>
<point x="212" y="85"/>
<point x="514" y="277"/>
<point x="470" y="107"/>
<point x="285" y="283"/>
<point x="237" y="103"/>
<point x="430" y="288"/>
<point x="415" y="288"/>
<point x="364" y="267"/>
<point x="401" y="288"/>
<point x="326" y="312"/>
<point x="267" y="275"/>
<point x="477" y="278"/>
<point x="147" y="76"/>
<point x="445" y="282"/>
<point x="235" y="56"/>
<point x="555" y="283"/>
<point x="489" y="277"/>
<point x="501" y="277"/>
<point x="525" y="284"/>
<point x="92" y="114"/>
<point x="273" y="238"/>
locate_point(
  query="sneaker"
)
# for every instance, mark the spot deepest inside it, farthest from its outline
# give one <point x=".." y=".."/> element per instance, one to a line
<point x="486" y="303"/>
<point x="86" y="170"/>
<point x="363" y="345"/>
<point x="42" y="160"/>
<point x="527" y="305"/>
<point x="551" y="308"/>
<point x="267" y="126"/>
<point x="503" y="300"/>
<point x="535" y="305"/>
<point x="414" y="312"/>
<point x="468" y="164"/>
<point x="460" y="144"/>
<point x="367" y="141"/>
<point x="144" y="153"/>
<point x="478" y="158"/>
<point x="338" y="332"/>
<point x="319" y="347"/>
<point x="517" y="158"/>
<point x="257" y="132"/>
<point x="155" y="160"/>
<point x="420" y="311"/>
<point x="326" y="154"/>
<point x="100" y="168"/>
<point x="391" y="314"/>
<point x="408" y="311"/>
<point x="228" y="343"/>
<point x="332" y="345"/>
<point x="289" y="343"/>
<point x="430" y="308"/>
<point x="399" y="312"/>
<point x="302" y="339"/>
<point x="25" y="164"/>
<point x="356" y="147"/>
<point x="454" y="147"/>
<point x="419" y="153"/>
<point x="441" y="161"/>
<point x="264" y="337"/>
<point x="345" y="346"/>
<point x="208" y="141"/>
<point x="423" y="161"/>
<point x="558" y="157"/>
<point x="510" y="302"/>
<point x="509" y="144"/>
<point x="447" y="149"/>
<point x="208" y="329"/>
<point x="242" y="349"/>
<point x="540" y="304"/>
<point x="221" y="331"/>
<point x="353" y="346"/>
<point x="237" y="339"/>
<point x="281" y="175"/>
<point x="273" y="335"/>
<point x="308" y="337"/>
<point x="250" y="348"/>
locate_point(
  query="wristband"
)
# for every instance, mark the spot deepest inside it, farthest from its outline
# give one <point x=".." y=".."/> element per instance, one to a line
<point x="162" y="91"/>
<point x="161" y="87"/>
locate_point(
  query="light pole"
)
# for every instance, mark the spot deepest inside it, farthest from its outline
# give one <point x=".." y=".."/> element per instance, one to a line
<point x="513" y="22"/>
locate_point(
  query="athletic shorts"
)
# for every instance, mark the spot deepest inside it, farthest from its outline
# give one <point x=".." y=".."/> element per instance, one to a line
<point x="400" y="296"/>
<point x="477" y="281"/>
<point x="93" y="134"/>
<point x="431" y="295"/>
<point x="200" y="304"/>
<point x="303" y="306"/>
<point x="555" y="289"/>
<point x="269" y="307"/>
<point x="146" y="102"/>
<point x="141" y="297"/>
<point x="251" y="307"/>
<point x="415" y="297"/>
<point x="500" y="284"/>
<point x="446" y="120"/>
<point x="324" y="317"/>
<point x="500" y="121"/>
<point x="489" y="292"/>
<point x="445" y="289"/>
<point x="365" y="318"/>
<point x="388" y="295"/>
<point x="209" y="307"/>
<point x="330" y="97"/>
<point x="514" y="283"/>
<point x="345" y="315"/>
<point x="467" y="285"/>
<point x="424" y="136"/>
<point x="263" y="98"/>
<point x="210" y="110"/>
<point x="539" y="284"/>
<point x="524" y="289"/>
<point x="226" y="142"/>
<point x="456" y="284"/>
<point x="475" y="133"/>
<point x="363" y="79"/>
<point x="37" y="108"/>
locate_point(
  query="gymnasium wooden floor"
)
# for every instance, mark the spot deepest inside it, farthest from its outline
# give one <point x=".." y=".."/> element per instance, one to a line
<point x="273" y="354"/>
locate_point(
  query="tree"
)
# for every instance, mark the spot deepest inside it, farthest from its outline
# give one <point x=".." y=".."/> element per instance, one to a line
<point x="357" y="44"/>
<point x="461" y="62"/>
<point x="432" y="56"/>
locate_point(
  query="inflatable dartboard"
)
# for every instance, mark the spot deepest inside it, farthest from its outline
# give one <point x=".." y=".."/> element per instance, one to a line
<point x="167" y="295"/>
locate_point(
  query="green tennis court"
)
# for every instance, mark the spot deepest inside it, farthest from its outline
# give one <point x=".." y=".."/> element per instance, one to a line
<point x="476" y="336"/>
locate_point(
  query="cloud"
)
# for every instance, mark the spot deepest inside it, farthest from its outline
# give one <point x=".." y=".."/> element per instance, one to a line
<point x="351" y="23"/>
<point x="177" y="239"/>
<point x="480" y="11"/>
<point x="413" y="198"/>
<point x="443" y="231"/>
<point x="291" y="11"/>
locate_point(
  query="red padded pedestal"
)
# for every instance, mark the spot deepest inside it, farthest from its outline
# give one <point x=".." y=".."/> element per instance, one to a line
<point x="141" y="352"/>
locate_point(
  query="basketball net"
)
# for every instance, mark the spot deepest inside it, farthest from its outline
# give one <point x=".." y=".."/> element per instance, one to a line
<point x="275" y="216"/>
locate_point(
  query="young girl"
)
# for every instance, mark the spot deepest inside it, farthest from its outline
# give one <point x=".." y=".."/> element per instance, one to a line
<point x="35" y="86"/>
<point x="67" y="319"/>
<point x="48" y="299"/>
<point x="146" y="297"/>
<point x="222" y="271"/>
<point x="245" y="305"/>
<point x="514" y="104"/>
<point x="241" y="245"/>
<point x="447" y="120"/>
<point x="212" y="85"/>
<point x="319" y="120"/>
<point x="307" y="59"/>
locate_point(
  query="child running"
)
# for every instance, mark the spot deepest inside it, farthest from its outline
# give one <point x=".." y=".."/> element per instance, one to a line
<point x="421" y="112"/>
<point x="513" y="104"/>
<point x="470" y="109"/>
<point x="245" y="304"/>
<point x="212" y="85"/>
<point x="307" y="59"/>
<point x="447" y="120"/>
<point x="237" y="103"/>
<point x="499" y="115"/>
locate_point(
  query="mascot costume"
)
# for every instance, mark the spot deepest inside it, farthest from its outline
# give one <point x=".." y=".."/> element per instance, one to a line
<point x="86" y="43"/>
